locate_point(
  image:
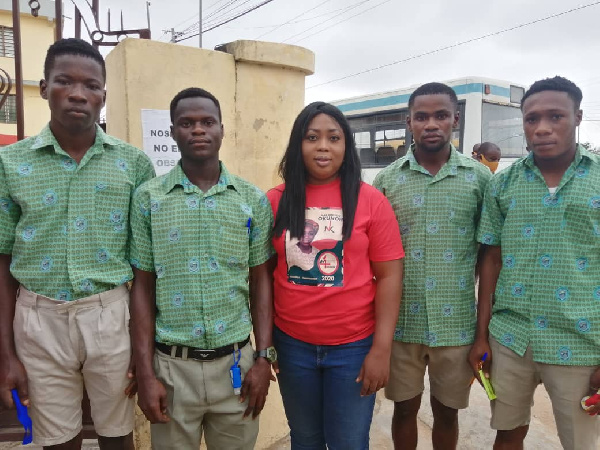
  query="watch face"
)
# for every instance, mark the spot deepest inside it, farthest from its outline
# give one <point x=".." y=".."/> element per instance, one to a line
<point x="271" y="354"/>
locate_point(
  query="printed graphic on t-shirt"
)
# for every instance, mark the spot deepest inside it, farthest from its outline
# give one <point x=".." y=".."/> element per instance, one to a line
<point x="317" y="258"/>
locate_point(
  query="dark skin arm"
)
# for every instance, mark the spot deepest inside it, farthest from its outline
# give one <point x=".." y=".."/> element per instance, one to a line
<point x="490" y="266"/>
<point x="152" y="395"/>
<point x="12" y="372"/>
<point x="375" y="370"/>
<point x="255" y="386"/>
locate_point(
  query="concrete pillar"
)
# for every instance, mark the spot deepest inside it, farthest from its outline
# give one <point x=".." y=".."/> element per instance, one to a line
<point x="269" y="95"/>
<point x="260" y="86"/>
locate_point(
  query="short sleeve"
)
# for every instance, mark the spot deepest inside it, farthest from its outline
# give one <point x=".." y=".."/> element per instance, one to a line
<point x="261" y="248"/>
<point x="145" y="169"/>
<point x="140" y="245"/>
<point x="378" y="182"/>
<point x="490" y="226"/>
<point x="10" y="213"/>
<point x="385" y="243"/>
<point x="483" y="180"/>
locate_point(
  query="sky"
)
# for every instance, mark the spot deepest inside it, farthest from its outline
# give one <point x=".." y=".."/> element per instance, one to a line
<point x="351" y="36"/>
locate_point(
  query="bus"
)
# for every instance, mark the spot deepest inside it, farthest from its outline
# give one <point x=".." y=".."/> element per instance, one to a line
<point x="489" y="110"/>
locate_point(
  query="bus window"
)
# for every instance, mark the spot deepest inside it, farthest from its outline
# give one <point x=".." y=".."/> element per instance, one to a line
<point x="503" y="125"/>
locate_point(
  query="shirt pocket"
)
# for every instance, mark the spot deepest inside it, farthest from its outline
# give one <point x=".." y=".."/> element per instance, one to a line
<point x="580" y="227"/>
<point x="233" y="241"/>
<point x="111" y="204"/>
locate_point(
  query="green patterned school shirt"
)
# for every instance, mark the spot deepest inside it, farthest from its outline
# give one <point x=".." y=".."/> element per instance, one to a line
<point x="200" y="245"/>
<point x="548" y="291"/>
<point x="64" y="223"/>
<point x="438" y="218"/>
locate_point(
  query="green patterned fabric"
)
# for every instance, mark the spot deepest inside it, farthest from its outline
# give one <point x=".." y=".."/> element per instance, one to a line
<point x="548" y="292"/>
<point x="64" y="223"/>
<point x="200" y="245"/>
<point x="438" y="218"/>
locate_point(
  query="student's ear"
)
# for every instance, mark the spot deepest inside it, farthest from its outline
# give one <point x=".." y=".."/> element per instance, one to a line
<point x="44" y="89"/>
<point x="408" y="124"/>
<point x="104" y="97"/>
<point x="172" y="132"/>
<point x="578" y="117"/>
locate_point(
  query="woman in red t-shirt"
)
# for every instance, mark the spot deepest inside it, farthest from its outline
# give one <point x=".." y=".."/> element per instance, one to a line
<point x="337" y="284"/>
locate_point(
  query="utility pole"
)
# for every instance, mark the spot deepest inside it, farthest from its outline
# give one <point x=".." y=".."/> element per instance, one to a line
<point x="172" y="35"/>
<point x="200" y="23"/>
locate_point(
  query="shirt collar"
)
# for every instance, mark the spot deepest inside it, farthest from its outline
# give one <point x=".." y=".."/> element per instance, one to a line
<point x="453" y="162"/>
<point x="176" y="177"/>
<point x="580" y="153"/>
<point x="47" y="139"/>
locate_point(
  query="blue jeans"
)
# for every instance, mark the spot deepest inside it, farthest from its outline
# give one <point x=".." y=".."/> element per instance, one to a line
<point x="321" y="397"/>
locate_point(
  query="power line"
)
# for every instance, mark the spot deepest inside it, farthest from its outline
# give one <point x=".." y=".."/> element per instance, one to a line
<point x="249" y="10"/>
<point x="189" y="19"/>
<point x="458" y="44"/>
<point x="293" y="18"/>
<point x="212" y="18"/>
<point x="350" y="8"/>
<point x="342" y="21"/>
<point x="224" y="14"/>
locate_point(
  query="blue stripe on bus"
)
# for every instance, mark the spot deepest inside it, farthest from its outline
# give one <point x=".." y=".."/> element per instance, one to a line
<point x="397" y="100"/>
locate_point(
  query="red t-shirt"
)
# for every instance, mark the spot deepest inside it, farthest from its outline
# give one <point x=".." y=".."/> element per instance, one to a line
<point x="324" y="288"/>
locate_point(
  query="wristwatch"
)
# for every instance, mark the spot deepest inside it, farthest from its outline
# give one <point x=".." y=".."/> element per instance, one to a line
<point x="269" y="353"/>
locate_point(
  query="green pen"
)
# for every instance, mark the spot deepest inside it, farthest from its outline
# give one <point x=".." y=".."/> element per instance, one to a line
<point x="487" y="385"/>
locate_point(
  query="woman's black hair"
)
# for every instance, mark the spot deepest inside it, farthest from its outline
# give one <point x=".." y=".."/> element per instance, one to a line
<point x="290" y="214"/>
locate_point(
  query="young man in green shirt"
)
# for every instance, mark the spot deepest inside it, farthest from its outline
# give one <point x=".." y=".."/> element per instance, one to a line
<point x="64" y="208"/>
<point x="198" y="233"/>
<point x="540" y="274"/>
<point x="436" y="193"/>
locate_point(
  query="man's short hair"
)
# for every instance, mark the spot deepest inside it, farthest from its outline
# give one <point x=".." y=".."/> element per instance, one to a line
<point x="559" y="84"/>
<point x="192" y="93"/>
<point x="72" y="46"/>
<point x="485" y="146"/>
<point x="433" y="89"/>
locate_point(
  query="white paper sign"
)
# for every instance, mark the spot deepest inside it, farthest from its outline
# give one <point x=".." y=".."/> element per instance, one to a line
<point x="157" y="141"/>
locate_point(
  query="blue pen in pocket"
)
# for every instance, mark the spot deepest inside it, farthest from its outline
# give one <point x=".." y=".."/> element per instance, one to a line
<point x="249" y="224"/>
<point x="23" y="417"/>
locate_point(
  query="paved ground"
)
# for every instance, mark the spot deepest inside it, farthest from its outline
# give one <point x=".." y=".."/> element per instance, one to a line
<point x="475" y="433"/>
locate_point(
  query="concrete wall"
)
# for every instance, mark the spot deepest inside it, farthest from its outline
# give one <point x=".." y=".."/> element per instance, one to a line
<point x="260" y="87"/>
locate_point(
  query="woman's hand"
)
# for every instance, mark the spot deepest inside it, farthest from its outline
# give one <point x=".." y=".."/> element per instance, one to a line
<point x="375" y="371"/>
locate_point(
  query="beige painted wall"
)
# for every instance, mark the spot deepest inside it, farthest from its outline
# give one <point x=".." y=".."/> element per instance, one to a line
<point x="260" y="87"/>
<point x="37" y="34"/>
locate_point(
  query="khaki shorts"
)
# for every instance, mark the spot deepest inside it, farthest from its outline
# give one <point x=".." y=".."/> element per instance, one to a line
<point x="64" y="345"/>
<point x="200" y="399"/>
<point x="515" y="379"/>
<point x="450" y="375"/>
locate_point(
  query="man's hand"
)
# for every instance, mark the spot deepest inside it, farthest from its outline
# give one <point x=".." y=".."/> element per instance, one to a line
<point x="256" y="387"/>
<point x="375" y="371"/>
<point x="152" y="400"/>
<point x="13" y="376"/>
<point x="132" y="387"/>
<point x="480" y="347"/>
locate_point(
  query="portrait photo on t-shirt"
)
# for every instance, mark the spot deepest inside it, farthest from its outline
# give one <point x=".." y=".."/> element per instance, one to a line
<point x="316" y="259"/>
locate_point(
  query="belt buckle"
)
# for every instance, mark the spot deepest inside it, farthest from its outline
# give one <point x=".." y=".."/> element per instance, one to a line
<point x="204" y="355"/>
